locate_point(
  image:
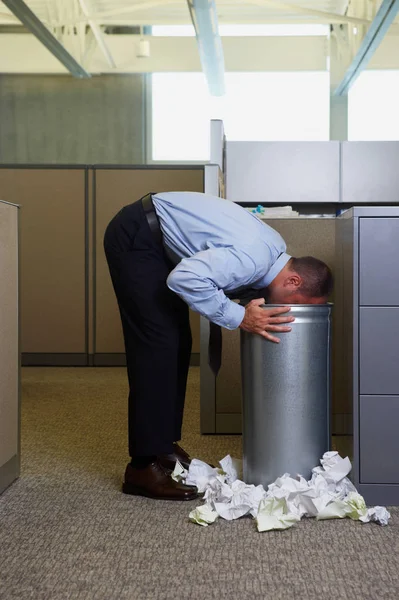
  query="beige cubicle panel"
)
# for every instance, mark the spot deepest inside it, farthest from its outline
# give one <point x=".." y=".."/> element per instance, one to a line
<point x="114" y="188"/>
<point x="53" y="256"/>
<point x="304" y="236"/>
<point x="9" y="346"/>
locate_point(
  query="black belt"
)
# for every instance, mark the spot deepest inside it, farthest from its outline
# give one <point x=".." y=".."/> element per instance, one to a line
<point x="151" y="216"/>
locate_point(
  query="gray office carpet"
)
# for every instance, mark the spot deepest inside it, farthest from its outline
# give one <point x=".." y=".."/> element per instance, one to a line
<point x="67" y="532"/>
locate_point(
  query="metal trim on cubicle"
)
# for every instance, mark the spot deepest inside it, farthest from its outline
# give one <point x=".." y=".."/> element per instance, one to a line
<point x="154" y="167"/>
<point x="10" y="204"/>
<point x="145" y="167"/>
<point x="42" y="166"/>
<point x="212" y="185"/>
<point x="341" y="169"/>
<point x="92" y="357"/>
<point x="18" y="458"/>
<point x="87" y="264"/>
<point x="218" y="144"/>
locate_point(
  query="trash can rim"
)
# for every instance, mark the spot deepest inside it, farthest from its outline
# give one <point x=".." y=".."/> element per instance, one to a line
<point x="327" y="304"/>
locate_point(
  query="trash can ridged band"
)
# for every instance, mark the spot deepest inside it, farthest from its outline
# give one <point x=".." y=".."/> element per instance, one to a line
<point x="286" y="396"/>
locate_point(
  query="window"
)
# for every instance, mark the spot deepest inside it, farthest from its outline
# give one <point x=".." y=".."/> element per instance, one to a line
<point x="257" y="106"/>
<point x="373" y="104"/>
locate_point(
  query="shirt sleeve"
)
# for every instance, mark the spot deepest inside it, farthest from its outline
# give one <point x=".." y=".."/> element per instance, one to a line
<point x="200" y="280"/>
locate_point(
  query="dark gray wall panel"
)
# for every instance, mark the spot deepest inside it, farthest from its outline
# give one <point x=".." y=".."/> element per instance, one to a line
<point x="379" y="439"/>
<point x="58" y="119"/>
<point x="379" y="271"/>
<point x="379" y="350"/>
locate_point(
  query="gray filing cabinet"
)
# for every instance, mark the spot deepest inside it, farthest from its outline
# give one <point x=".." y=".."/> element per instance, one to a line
<point x="367" y="299"/>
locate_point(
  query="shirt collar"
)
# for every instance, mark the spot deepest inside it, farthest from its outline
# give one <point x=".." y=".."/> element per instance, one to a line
<point x="275" y="269"/>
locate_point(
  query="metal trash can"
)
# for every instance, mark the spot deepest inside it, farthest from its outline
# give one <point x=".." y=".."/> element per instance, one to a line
<point x="287" y="397"/>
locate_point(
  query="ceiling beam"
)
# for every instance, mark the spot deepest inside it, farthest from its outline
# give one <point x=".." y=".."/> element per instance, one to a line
<point x="225" y="20"/>
<point x="172" y="54"/>
<point x="373" y="38"/>
<point x="96" y="29"/>
<point x="204" y="17"/>
<point x="31" y="22"/>
<point x="327" y="17"/>
<point x="127" y="10"/>
<point x="7" y="18"/>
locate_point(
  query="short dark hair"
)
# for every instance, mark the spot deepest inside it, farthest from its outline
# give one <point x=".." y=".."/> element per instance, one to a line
<point x="317" y="279"/>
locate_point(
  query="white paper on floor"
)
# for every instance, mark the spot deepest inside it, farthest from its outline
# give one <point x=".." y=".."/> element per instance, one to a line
<point x="329" y="494"/>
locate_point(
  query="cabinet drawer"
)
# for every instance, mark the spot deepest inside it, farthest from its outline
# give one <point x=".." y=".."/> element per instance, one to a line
<point x="379" y="439"/>
<point x="378" y="266"/>
<point x="379" y="350"/>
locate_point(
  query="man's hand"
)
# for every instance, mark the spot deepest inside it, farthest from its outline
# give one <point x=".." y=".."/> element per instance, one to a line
<point x="263" y="320"/>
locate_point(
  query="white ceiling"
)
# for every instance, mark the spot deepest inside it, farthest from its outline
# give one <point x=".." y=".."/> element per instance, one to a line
<point x="79" y="26"/>
<point x="150" y="12"/>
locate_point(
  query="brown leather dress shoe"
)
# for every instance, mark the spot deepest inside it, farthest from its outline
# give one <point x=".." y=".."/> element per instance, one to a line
<point x="155" y="482"/>
<point x="169" y="460"/>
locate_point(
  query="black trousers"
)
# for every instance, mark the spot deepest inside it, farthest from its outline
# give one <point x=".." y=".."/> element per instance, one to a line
<point x="156" y="331"/>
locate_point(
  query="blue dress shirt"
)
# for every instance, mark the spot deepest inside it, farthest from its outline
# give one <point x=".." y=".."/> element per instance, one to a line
<point x="217" y="247"/>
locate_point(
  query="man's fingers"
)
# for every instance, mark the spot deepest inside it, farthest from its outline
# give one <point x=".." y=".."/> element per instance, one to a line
<point x="270" y="337"/>
<point x="265" y="320"/>
<point x="281" y="319"/>
<point x="256" y="302"/>
<point x="278" y="311"/>
<point x="278" y="328"/>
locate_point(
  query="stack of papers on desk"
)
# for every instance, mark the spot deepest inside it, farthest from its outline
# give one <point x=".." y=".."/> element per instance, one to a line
<point x="267" y="212"/>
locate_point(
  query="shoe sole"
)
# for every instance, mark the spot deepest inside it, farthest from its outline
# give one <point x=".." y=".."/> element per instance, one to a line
<point x="134" y="490"/>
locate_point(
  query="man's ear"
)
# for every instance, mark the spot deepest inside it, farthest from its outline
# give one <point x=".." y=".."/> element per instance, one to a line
<point x="293" y="282"/>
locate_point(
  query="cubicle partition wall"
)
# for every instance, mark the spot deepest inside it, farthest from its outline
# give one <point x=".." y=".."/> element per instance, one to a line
<point x="53" y="261"/>
<point x="9" y="345"/>
<point x="114" y="188"/>
<point x="69" y="314"/>
<point x="283" y="172"/>
<point x="331" y="174"/>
